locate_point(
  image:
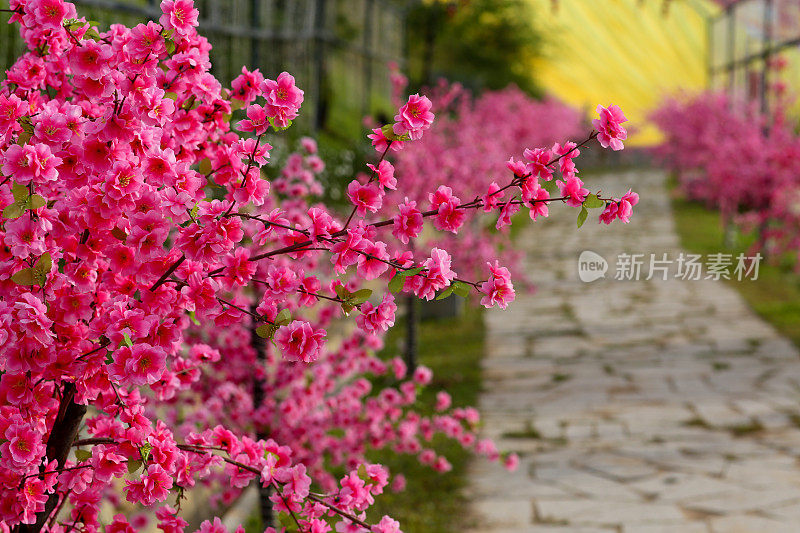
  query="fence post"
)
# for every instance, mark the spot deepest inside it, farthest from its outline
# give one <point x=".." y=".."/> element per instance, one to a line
<point x="321" y="109"/>
<point x="768" y="18"/>
<point x="369" y="20"/>
<point x="730" y="13"/>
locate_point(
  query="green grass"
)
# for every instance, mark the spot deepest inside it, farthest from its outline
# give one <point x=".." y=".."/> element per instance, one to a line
<point x="775" y="295"/>
<point x="434" y="502"/>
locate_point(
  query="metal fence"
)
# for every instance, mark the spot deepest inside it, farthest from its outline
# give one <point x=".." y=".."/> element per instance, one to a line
<point x="745" y="38"/>
<point x="337" y="49"/>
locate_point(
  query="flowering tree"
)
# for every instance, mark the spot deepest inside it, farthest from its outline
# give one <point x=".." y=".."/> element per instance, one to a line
<point x="741" y="162"/>
<point x="150" y="273"/>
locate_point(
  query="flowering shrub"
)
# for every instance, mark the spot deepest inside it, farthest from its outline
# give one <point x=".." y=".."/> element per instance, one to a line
<point x="467" y="146"/>
<point x="165" y="309"/>
<point x="732" y="161"/>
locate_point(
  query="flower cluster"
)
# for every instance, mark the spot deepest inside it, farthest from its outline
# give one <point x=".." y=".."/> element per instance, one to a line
<point x="733" y="158"/>
<point x="152" y="273"/>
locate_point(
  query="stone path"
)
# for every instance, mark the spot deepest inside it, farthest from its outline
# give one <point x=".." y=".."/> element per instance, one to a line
<point x="636" y="406"/>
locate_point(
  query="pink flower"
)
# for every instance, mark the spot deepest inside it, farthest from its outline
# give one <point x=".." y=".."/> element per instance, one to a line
<point x="51" y="13"/>
<point x="443" y="401"/>
<point x="140" y="364"/>
<point x="567" y="152"/>
<point x="385" y="173"/>
<point x="538" y="206"/>
<point x="30" y="163"/>
<point x="511" y="462"/>
<point x="438" y="275"/>
<point x="365" y="197"/>
<point x="610" y="131"/>
<point x="283" y="98"/>
<point x="539" y="159"/>
<point x="380" y="318"/>
<point x="107" y="464"/>
<point x="498" y="289"/>
<point x="374" y="264"/>
<point x="414" y="117"/>
<point x="408" y="223"/>
<point x="573" y="190"/>
<point x="381" y="143"/>
<point x="609" y="214"/>
<point x="256" y="120"/>
<point x="299" y="341"/>
<point x="90" y="59"/>
<point x="246" y="86"/>
<point x="179" y="15"/>
<point x="23" y="447"/>
<point x="626" y="204"/>
<point x="519" y="168"/>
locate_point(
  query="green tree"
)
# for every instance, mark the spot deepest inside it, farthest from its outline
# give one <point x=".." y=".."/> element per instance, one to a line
<point x="481" y="43"/>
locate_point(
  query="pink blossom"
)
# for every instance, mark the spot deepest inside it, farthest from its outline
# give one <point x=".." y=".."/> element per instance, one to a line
<point x="573" y="190"/>
<point x="365" y="197"/>
<point x="179" y="15"/>
<point x="299" y="341"/>
<point x="610" y="131"/>
<point x="414" y="117"/>
<point x="538" y="205"/>
<point x="385" y="173"/>
<point x="408" y="222"/>
<point x="381" y="143"/>
<point x="30" y="163"/>
<point x="498" y="289"/>
<point x="90" y="59"/>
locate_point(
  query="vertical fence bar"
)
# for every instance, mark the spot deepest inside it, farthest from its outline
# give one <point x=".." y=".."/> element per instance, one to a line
<point x="369" y="22"/>
<point x="768" y="18"/>
<point x="319" y="64"/>
<point x="731" y="14"/>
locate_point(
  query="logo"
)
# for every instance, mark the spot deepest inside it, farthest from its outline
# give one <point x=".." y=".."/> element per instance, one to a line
<point x="591" y="266"/>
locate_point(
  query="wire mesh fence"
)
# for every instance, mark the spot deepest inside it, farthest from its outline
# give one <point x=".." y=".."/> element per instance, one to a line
<point x="338" y="50"/>
<point x="754" y="52"/>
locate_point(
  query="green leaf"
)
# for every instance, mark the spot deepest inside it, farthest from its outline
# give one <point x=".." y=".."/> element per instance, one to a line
<point x="593" y="202"/>
<point x="204" y="167"/>
<point x="347" y="309"/>
<point x="276" y="127"/>
<point x="144" y="451"/>
<point x="36" y="201"/>
<point x="447" y="292"/>
<point x="359" y="297"/>
<point x="36" y="275"/>
<point x="127" y="340"/>
<point x="23" y="137"/>
<point x="82" y="455"/>
<point x="266" y="331"/>
<point x="14" y="210"/>
<point x="20" y="192"/>
<point x="341" y="292"/>
<point x="170" y="46"/>
<point x="582" y="216"/>
<point x="396" y="283"/>
<point x="412" y="271"/>
<point x="91" y="33"/>
<point x="462" y="289"/>
<point x="23" y="277"/>
<point x="193" y="318"/>
<point x="283" y="318"/>
<point x="134" y="465"/>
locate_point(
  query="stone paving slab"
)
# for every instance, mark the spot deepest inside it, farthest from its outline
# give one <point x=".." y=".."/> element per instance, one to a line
<point x="636" y="406"/>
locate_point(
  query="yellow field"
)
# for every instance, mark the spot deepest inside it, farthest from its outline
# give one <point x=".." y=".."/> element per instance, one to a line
<point x="625" y="52"/>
